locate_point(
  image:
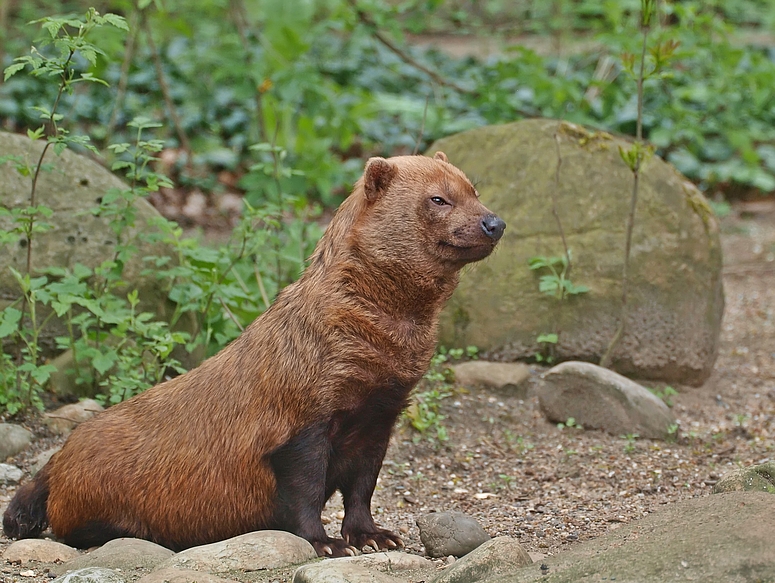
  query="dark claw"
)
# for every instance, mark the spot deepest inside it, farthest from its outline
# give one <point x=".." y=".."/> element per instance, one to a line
<point x="334" y="547"/>
<point x="379" y="539"/>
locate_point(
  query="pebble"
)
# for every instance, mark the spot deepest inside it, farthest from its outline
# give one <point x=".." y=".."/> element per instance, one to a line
<point x="13" y="439"/>
<point x="123" y="554"/>
<point x="91" y="575"/>
<point x="758" y="477"/>
<point x="63" y="420"/>
<point x="339" y="571"/>
<point x="181" y="576"/>
<point x="599" y="398"/>
<point x="498" y="556"/>
<point x="43" y="458"/>
<point x="450" y="533"/>
<point x="40" y="550"/>
<point x="10" y="474"/>
<point x="501" y="376"/>
<point x="254" y="551"/>
<point x="389" y="561"/>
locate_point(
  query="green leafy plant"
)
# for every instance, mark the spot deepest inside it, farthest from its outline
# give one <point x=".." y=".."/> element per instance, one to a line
<point x="630" y="441"/>
<point x="229" y="286"/>
<point x="548" y="341"/>
<point x="332" y="83"/>
<point x="27" y="376"/>
<point x="470" y="352"/>
<point x="116" y="348"/>
<point x="555" y="283"/>
<point x="570" y="423"/>
<point x="516" y="443"/>
<point x="21" y="324"/>
<point x="338" y="92"/>
<point x="424" y="411"/>
<point x="721" y="208"/>
<point x="666" y="394"/>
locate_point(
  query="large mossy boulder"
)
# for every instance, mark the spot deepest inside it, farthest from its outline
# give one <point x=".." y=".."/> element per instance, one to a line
<point x="72" y="186"/>
<point x="710" y="539"/>
<point x="675" y="290"/>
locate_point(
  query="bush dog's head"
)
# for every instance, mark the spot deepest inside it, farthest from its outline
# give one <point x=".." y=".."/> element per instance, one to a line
<point x="418" y="214"/>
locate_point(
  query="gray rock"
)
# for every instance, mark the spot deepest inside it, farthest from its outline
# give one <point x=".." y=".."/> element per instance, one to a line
<point x="758" y="478"/>
<point x="675" y="292"/>
<point x="715" y="538"/>
<point x="254" y="551"/>
<point x="13" y="439"/>
<point x="39" y="549"/>
<point x="504" y="376"/>
<point x="62" y="381"/>
<point x="42" y="459"/>
<point x="498" y="556"/>
<point x="72" y="188"/>
<point x="181" y="576"/>
<point x="10" y="474"/>
<point x="598" y="398"/>
<point x="63" y="420"/>
<point x="390" y="561"/>
<point x="450" y="533"/>
<point x="91" y="575"/>
<point x="125" y="554"/>
<point x="339" y="571"/>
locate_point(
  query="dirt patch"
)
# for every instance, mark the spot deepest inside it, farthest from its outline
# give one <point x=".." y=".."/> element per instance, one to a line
<point x="521" y="476"/>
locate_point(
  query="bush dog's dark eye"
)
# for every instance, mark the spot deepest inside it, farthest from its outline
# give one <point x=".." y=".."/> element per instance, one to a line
<point x="439" y="201"/>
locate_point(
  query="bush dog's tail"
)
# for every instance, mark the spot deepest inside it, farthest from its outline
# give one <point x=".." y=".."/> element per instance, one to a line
<point x="26" y="514"/>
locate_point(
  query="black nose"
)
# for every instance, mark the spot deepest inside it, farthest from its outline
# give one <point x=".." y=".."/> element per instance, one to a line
<point x="493" y="226"/>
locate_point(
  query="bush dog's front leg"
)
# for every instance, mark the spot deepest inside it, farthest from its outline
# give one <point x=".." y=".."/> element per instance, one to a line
<point x="300" y="468"/>
<point x="357" y="486"/>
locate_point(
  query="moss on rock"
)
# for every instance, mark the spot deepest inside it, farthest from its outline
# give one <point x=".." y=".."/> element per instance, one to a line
<point x="676" y="296"/>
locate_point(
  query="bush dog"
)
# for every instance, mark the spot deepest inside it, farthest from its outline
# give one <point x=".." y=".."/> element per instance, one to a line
<point x="260" y="435"/>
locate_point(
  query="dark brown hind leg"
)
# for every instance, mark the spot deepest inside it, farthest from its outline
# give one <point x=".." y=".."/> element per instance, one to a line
<point x="94" y="534"/>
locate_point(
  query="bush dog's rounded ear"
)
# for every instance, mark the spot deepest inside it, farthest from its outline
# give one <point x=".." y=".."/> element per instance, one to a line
<point x="441" y="156"/>
<point x="377" y="176"/>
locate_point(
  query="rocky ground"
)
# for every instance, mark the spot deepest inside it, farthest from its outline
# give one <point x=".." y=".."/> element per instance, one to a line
<point x="524" y="477"/>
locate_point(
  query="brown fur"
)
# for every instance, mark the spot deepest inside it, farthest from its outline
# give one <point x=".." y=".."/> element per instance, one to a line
<point x="318" y="380"/>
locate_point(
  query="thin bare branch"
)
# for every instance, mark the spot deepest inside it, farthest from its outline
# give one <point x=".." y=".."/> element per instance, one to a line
<point x="561" y="230"/>
<point x="605" y="361"/>
<point x="239" y="16"/>
<point x="422" y="127"/>
<point x="231" y="316"/>
<point x="555" y="202"/>
<point x="404" y="56"/>
<point x="5" y="7"/>
<point x="165" y="90"/>
<point x="262" y="289"/>
<point x="123" y="82"/>
<point x="639" y="126"/>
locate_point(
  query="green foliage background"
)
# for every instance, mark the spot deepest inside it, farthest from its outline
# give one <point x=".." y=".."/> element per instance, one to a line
<point x="291" y="96"/>
<point x="313" y="77"/>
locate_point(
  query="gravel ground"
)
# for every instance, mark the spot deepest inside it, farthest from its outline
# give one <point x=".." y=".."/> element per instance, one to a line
<point x="521" y="476"/>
